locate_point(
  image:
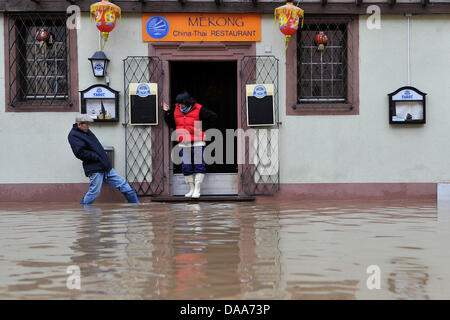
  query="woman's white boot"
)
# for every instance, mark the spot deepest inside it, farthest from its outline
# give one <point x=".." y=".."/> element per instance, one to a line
<point x="198" y="183"/>
<point x="190" y="181"/>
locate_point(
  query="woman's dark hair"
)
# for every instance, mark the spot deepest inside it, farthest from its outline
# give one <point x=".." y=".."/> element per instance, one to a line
<point x="185" y="98"/>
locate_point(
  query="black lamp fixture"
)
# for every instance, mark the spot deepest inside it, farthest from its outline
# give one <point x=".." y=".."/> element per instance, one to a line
<point x="99" y="63"/>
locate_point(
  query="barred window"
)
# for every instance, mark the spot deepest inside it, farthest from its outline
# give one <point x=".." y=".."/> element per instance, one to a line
<point x="324" y="81"/>
<point x="322" y="74"/>
<point x="38" y="70"/>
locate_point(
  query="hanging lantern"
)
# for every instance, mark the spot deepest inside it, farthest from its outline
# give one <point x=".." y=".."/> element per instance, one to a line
<point x="288" y="20"/>
<point x="44" y="38"/>
<point x="321" y="40"/>
<point x="105" y="14"/>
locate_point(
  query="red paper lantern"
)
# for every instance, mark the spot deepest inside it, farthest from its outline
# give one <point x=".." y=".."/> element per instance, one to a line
<point x="321" y="40"/>
<point x="288" y="20"/>
<point x="105" y="14"/>
<point x="43" y="36"/>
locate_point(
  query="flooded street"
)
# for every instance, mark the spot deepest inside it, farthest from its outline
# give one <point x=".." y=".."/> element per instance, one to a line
<point x="246" y="250"/>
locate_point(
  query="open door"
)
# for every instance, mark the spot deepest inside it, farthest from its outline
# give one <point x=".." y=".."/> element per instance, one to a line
<point x="213" y="84"/>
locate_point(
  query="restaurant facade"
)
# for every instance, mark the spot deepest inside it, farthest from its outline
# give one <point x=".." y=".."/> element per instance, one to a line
<point x="354" y="105"/>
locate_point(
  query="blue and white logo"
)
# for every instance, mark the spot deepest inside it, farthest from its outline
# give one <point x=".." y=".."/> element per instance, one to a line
<point x="407" y="95"/>
<point x="143" y="90"/>
<point x="99" y="93"/>
<point x="98" y="66"/>
<point x="157" y="27"/>
<point x="259" y="92"/>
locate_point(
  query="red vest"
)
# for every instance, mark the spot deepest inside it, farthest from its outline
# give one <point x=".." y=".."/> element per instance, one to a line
<point x="185" y="129"/>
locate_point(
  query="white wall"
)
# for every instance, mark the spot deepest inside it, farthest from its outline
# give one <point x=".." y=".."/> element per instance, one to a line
<point x="125" y="40"/>
<point x="34" y="145"/>
<point x="314" y="149"/>
<point x="364" y="147"/>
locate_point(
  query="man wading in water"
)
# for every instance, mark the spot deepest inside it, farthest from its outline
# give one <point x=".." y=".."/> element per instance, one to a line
<point x="96" y="164"/>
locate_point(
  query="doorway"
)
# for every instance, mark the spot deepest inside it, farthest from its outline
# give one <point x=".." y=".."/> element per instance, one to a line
<point x="213" y="84"/>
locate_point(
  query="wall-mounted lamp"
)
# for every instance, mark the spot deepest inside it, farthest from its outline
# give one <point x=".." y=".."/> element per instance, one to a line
<point x="99" y="63"/>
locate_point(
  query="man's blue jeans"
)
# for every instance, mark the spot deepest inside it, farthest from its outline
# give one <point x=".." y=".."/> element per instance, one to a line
<point x="112" y="178"/>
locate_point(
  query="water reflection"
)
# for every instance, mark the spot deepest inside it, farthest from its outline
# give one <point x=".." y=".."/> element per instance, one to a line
<point x="409" y="280"/>
<point x="289" y="250"/>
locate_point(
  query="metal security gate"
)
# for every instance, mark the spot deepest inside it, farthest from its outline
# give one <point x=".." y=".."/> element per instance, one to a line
<point x="260" y="172"/>
<point x="144" y="145"/>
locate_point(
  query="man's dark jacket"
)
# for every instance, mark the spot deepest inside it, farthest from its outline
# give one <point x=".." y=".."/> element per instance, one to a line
<point x="87" y="148"/>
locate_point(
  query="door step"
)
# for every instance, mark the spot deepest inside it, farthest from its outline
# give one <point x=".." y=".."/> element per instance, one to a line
<point x="201" y="199"/>
<point x="213" y="184"/>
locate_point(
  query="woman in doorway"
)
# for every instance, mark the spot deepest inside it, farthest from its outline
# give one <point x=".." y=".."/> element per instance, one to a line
<point x="189" y="120"/>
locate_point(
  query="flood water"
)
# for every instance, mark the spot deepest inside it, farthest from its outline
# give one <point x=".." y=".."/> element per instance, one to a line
<point x="246" y="250"/>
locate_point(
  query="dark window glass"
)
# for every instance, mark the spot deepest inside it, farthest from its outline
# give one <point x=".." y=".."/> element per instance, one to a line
<point x="38" y="69"/>
<point x="322" y="75"/>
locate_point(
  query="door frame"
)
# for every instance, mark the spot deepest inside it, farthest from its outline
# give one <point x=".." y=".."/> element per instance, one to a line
<point x="195" y="51"/>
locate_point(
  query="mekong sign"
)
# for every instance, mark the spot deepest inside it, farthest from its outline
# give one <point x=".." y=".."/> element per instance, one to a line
<point x="201" y="27"/>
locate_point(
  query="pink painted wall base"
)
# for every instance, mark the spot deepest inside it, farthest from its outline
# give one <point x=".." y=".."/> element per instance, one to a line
<point x="73" y="192"/>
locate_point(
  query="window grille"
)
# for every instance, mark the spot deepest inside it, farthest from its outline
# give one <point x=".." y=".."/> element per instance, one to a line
<point x="324" y="77"/>
<point x="38" y="71"/>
